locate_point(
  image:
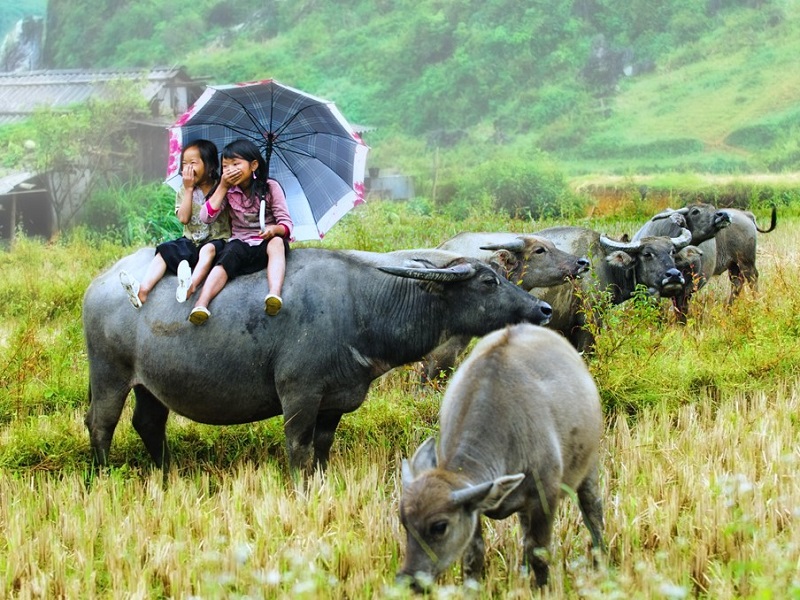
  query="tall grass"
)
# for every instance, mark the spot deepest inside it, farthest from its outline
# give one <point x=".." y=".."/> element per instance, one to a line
<point x="699" y="458"/>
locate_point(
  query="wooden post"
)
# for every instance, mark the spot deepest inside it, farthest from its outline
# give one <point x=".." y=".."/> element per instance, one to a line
<point x="12" y="221"/>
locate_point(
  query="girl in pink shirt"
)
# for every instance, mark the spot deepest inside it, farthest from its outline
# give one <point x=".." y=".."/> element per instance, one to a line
<point x="242" y="188"/>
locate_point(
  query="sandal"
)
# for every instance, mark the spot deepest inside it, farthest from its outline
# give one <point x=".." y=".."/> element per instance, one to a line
<point x="131" y="288"/>
<point x="199" y="315"/>
<point x="184" y="281"/>
<point x="272" y="304"/>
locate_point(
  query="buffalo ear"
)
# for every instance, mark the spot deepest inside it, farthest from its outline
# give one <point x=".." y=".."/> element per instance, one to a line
<point x="620" y="259"/>
<point x="424" y="459"/>
<point x="487" y="495"/>
<point x="503" y="261"/>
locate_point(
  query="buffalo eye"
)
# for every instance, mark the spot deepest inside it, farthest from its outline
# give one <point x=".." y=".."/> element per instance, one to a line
<point x="647" y="255"/>
<point x="438" y="528"/>
<point x="695" y="211"/>
<point x="489" y="279"/>
<point x="539" y="250"/>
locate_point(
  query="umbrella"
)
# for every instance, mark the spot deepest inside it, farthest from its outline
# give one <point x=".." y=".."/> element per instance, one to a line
<point x="309" y="147"/>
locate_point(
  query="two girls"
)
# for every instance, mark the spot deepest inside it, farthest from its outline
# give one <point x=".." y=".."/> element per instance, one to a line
<point x="243" y="187"/>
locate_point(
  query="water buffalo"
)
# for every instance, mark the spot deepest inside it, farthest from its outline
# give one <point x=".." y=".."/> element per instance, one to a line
<point x="722" y="240"/>
<point x="530" y="261"/>
<point x="704" y="221"/>
<point x="520" y="422"/>
<point x="348" y="318"/>
<point x="734" y="250"/>
<point x="617" y="268"/>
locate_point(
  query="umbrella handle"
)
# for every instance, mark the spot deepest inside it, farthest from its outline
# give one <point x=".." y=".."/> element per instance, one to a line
<point x="261" y="210"/>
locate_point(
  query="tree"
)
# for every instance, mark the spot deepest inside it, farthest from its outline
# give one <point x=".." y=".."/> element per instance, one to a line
<point x="86" y="147"/>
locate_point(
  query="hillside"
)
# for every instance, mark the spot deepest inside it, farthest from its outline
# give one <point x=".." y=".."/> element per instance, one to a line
<point x="685" y="86"/>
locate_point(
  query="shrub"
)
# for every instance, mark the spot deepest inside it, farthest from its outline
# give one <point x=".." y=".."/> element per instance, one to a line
<point x="522" y="188"/>
<point x="133" y="213"/>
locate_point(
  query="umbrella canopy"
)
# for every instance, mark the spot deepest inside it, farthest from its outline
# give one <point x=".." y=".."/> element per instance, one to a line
<point x="309" y="147"/>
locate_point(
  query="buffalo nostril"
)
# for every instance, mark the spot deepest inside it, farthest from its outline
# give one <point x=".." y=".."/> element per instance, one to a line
<point x="583" y="262"/>
<point x="546" y="309"/>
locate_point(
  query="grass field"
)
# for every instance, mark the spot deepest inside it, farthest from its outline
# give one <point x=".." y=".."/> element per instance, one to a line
<point x="699" y="460"/>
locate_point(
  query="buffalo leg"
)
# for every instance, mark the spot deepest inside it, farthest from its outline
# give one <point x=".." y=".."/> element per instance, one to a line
<point x="472" y="563"/>
<point x="106" y="401"/>
<point x="591" y="505"/>
<point x="750" y="274"/>
<point x="298" y="428"/>
<point x="327" y="422"/>
<point x="537" y="528"/>
<point x="442" y="359"/>
<point x="739" y="274"/>
<point x="150" y="422"/>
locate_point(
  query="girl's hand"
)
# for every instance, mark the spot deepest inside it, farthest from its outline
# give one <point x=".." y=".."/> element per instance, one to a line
<point x="188" y="176"/>
<point x="270" y="231"/>
<point x="232" y="176"/>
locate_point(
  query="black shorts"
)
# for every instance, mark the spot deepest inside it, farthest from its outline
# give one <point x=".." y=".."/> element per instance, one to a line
<point x="174" y="251"/>
<point x="240" y="258"/>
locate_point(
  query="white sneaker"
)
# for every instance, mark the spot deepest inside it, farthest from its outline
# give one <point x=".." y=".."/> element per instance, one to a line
<point x="131" y="286"/>
<point x="184" y="281"/>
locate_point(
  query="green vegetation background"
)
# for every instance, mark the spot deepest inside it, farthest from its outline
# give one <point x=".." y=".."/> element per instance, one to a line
<point x="478" y="77"/>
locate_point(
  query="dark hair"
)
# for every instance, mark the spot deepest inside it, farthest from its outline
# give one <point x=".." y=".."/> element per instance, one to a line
<point x="247" y="150"/>
<point x="208" y="154"/>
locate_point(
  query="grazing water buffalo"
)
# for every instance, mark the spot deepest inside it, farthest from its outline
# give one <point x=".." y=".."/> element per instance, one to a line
<point x="520" y="422"/>
<point x="617" y="268"/>
<point x="530" y="261"/>
<point x="348" y="318"/>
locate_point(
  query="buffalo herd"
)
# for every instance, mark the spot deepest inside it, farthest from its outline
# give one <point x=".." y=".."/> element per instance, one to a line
<point x="520" y="421"/>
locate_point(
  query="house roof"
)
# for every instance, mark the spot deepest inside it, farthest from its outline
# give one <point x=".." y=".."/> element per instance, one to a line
<point x="10" y="181"/>
<point x="22" y="92"/>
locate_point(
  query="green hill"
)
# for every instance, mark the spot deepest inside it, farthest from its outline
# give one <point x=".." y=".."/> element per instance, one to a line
<point x="713" y="86"/>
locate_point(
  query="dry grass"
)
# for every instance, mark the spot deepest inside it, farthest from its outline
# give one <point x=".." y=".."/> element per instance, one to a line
<point x="704" y="500"/>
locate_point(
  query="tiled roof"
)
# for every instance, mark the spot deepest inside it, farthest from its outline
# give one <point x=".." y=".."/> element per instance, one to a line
<point x="22" y="92"/>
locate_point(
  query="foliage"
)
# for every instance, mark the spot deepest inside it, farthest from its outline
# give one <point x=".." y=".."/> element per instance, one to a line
<point x="521" y="188"/>
<point x="85" y="148"/>
<point x="132" y="213"/>
<point x="515" y="72"/>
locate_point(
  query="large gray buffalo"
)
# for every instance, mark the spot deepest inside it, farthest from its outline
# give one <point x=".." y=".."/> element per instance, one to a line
<point x="520" y="424"/>
<point x="617" y="268"/>
<point x="348" y="317"/>
<point x="530" y="261"/>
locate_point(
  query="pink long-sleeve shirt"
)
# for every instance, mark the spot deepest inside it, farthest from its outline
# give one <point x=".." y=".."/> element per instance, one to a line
<point x="245" y="224"/>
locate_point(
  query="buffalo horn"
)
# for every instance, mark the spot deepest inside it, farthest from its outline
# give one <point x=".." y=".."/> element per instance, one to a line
<point x="517" y="245"/>
<point x="610" y="245"/>
<point x="471" y="494"/>
<point x="669" y="212"/>
<point x="458" y="272"/>
<point x="683" y="239"/>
